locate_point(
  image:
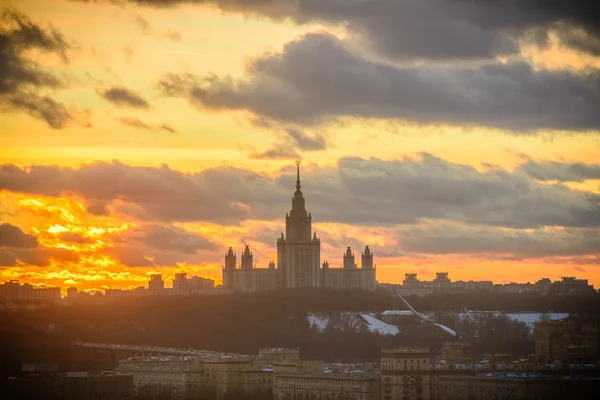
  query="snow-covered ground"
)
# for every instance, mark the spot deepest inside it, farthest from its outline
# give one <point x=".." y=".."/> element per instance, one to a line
<point x="376" y="325"/>
<point x="354" y="321"/>
<point x="318" y="321"/>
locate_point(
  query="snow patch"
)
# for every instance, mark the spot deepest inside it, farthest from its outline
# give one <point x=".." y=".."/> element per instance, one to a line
<point x="376" y="325"/>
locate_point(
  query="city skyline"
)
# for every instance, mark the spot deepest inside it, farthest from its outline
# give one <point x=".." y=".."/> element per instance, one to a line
<point x="148" y="137"/>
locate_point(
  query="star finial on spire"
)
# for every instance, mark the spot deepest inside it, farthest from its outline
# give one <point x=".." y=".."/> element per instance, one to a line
<point x="298" y="162"/>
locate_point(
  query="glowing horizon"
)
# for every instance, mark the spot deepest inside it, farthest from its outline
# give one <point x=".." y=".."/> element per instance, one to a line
<point x="120" y="159"/>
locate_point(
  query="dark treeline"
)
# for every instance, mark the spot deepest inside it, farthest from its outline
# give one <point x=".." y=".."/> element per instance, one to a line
<point x="243" y="323"/>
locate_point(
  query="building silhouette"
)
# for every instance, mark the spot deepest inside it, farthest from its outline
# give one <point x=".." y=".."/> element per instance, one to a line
<point x="298" y="259"/>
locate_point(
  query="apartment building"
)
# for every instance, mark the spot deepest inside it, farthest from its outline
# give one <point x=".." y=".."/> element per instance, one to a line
<point x="515" y="386"/>
<point x="406" y="374"/>
<point x="323" y="386"/>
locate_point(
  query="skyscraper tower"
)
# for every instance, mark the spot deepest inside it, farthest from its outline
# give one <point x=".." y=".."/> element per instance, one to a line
<point x="349" y="259"/>
<point x="247" y="258"/>
<point x="367" y="258"/>
<point x="229" y="269"/>
<point x="298" y="255"/>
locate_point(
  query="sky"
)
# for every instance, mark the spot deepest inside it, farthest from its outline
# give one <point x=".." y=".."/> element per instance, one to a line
<point x="148" y="136"/>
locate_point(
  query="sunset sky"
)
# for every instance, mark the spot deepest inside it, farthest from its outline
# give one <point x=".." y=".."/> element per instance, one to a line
<point x="143" y="136"/>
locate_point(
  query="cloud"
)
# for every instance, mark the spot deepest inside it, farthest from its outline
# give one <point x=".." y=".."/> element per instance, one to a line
<point x="435" y="29"/>
<point x="122" y="96"/>
<point x="316" y="79"/>
<point x="55" y="114"/>
<point x="11" y="257"/>
<point x="159" y="245"/>
<point x="18" y="247"/>
<point x="290" y="141"/>
<point x="21" y="79"/>
<point x="75" y="238"/>
<point x="144" y="25"/>
<point x="13" y="236"/>
<point x="137" y="123"/>
<point x="445" y="237"/>
<point x="559" y="171"/>
<point x="166" y="127"/>
<point x="277" y="152"/>
<point x="357" y="191"/>
<point x="307" y="142"/>
<point x="148" y="30"/>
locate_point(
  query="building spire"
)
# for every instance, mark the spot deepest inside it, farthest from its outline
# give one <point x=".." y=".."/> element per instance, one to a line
<point x="298" y="162"/>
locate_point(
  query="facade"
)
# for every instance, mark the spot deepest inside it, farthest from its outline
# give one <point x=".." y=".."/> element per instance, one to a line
<point x="406" y="375"/>
<point x="68" y="386"/>
<point x="565" y="341"/>
<point x="298" y="260"/>
<point x="514" y="386"/>
<point x="158" y="375"/>
<point x="179" y="377"/>
<point x="359" y="386"/>
<point x="98" y="386"/>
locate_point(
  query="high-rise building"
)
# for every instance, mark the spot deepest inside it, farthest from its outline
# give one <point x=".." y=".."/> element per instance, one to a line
<point x="298" y="259"/>
<point x="406" y="374"/>
<point x="156" y="285"/>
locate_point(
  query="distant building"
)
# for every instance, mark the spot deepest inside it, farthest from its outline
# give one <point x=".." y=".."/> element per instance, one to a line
<point x="325" y="386"/>
<point x="567" y="341"/>
<point x="298" y="260"/>
<point x="102" y="385"/>
<point x="156" y="285"/>
<point x="68" y="386"/>
<point x="13" y="290"/>
<point x="193" y="377"/>
<point x="457" y="352"/>
<point x="406" y="374"/>
<point x="569" y="285"/>
<point x="514" y="386"/>
<point x="72" y="293"/>
<point x="185" y="287"/>
<point x="412" y="286"/>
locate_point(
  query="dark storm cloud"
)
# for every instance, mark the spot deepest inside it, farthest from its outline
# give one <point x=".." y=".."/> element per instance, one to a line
<point x="559" y="171"/>
<point x="13" y="236"/>
<point x="122" y="96"/>
<point x="159" y="245"/>
<point x="18" y="247"/>
<point x="316" y="79"/>
<point x="356" y="191"/>
<point x="21" y="79"/>
<point x="434" y="29"/>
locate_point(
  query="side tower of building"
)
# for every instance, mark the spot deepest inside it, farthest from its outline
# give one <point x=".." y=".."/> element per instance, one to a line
<point x="349" y="259"/>
<point x="229" y="269"/>
<point x="298" y="254"/>
<point x="367" y="270"/>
